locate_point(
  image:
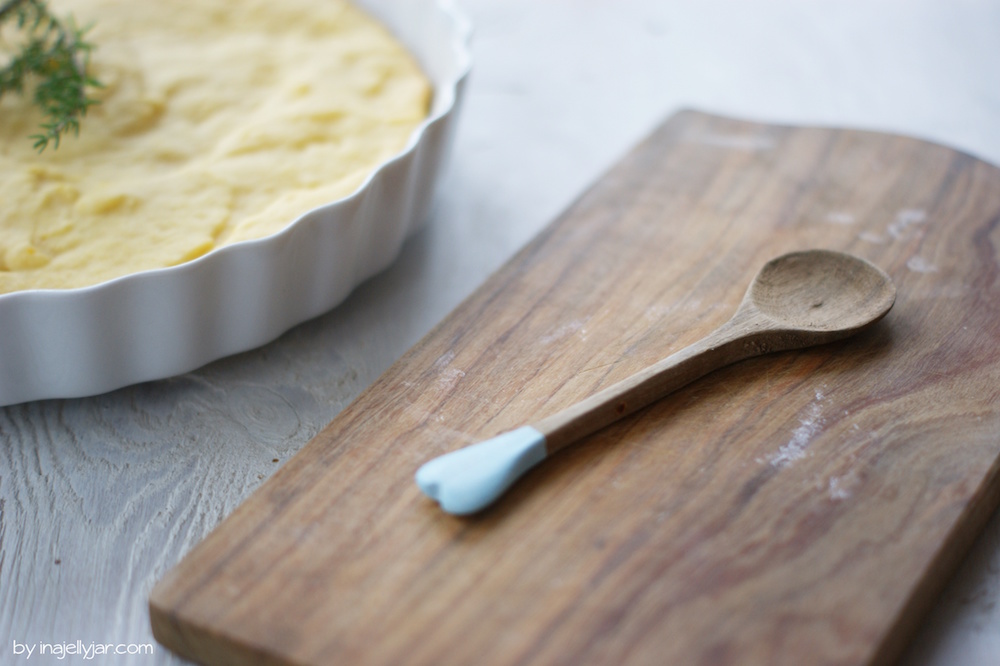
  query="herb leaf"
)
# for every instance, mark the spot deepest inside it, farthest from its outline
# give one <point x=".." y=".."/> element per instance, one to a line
<point x="56" y="55"/>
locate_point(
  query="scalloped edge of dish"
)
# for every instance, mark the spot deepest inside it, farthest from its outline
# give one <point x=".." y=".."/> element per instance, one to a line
<point x="164" y="322"/>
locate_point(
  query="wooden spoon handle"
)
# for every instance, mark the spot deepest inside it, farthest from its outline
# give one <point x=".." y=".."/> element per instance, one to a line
<point x="727" y="344"/>
<point x="469" y="479"/>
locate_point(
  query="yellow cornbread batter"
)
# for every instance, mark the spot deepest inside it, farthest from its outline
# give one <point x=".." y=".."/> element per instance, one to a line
<point x="220" y="121"/>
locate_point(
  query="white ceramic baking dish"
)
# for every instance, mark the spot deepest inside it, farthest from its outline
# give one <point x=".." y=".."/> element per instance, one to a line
<point x="159" y="323"/>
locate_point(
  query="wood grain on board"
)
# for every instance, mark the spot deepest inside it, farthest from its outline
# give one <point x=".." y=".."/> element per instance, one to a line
<point x="803" y="507"/>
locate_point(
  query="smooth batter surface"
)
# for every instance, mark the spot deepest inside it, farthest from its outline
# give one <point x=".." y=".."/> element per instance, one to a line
<point x="220" y="121"/>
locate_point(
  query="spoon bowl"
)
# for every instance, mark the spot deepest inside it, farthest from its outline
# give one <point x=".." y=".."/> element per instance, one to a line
<point x="821" y="290"/>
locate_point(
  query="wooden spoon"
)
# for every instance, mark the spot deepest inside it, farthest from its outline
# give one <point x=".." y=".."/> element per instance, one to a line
<point x="796" y="300"/>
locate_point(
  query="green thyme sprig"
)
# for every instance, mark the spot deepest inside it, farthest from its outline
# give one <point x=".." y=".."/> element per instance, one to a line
<point x="56" y="56"/>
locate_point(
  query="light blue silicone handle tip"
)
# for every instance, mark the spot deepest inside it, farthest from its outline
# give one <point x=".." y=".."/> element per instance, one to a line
<point x="470" y="479"/>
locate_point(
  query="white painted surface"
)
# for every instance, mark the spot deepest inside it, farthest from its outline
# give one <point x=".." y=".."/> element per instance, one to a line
<point x="118" y="487"/>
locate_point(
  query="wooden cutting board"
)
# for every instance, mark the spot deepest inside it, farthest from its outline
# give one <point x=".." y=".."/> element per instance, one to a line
<point x="801" y="508"/>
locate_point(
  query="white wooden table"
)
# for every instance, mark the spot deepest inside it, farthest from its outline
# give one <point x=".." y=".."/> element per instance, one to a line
<point x="100" y="496"/>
